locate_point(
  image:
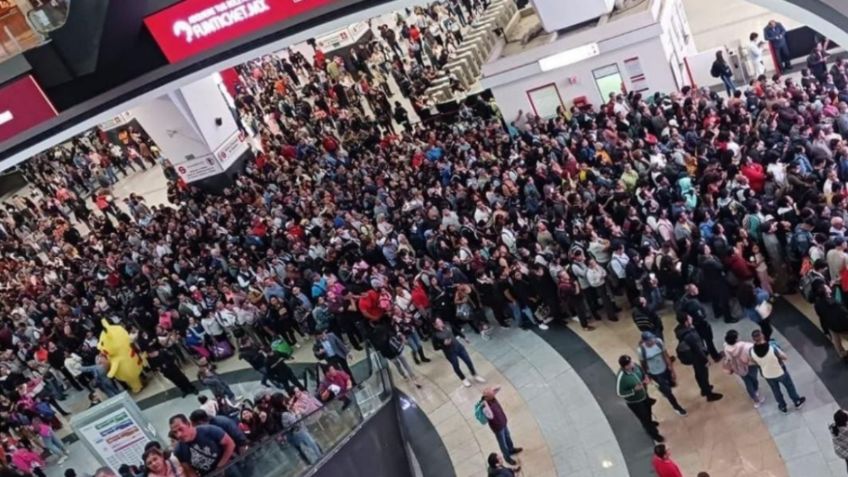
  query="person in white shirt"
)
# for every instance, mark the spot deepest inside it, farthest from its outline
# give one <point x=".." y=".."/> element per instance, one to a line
<point x="771" y="361"/>
<point x="755" y="54"/>
<point x="208" y="405"/>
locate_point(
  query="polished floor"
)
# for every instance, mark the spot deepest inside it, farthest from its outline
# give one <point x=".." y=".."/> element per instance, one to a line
<point x="558" y="388"/>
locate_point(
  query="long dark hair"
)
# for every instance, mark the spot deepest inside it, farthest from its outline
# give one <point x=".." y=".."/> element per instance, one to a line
<point x="840" y="420"/>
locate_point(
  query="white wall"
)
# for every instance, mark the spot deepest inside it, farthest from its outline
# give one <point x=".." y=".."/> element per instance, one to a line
<point x="717" y="23"/>
<point x="205" y="104"/>
<point x="512" y="97"/>
<point x="169" y="129"/>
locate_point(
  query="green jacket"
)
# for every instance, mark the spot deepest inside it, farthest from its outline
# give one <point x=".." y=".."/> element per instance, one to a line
<point x="626" y="383"/>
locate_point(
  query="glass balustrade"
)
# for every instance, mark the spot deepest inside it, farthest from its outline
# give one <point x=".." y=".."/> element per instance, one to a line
<point x="314" y="437"/>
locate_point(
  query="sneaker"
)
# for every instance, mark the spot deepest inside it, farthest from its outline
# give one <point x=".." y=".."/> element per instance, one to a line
<point x="466" y="383"/>
<point x="517" y="450"/>
<point x="62" y="459"/>
<point x="760" y="400"/>
<point x="659" y="440"/>
<point x="782" y="409"/>
<point x="543" y="327"/>
<point x="800" y="403"/>
<point x="681" y="412"/>
<point x="479" y="379"/>
<point x="714" y="397"/>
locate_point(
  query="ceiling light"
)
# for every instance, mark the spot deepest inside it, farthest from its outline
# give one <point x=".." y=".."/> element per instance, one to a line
<point x="569" y="57"/>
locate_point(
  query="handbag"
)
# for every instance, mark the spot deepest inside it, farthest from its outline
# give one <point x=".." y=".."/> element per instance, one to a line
<point x="764" y="309"/>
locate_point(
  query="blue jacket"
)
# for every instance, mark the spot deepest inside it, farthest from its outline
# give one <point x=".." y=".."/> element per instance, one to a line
<point x="776" y="34"/>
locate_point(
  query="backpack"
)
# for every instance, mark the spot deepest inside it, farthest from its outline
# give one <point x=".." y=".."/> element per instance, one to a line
<point x="808" y="283"/>
<point x="715" y="70"/>
<point x="684" y="352"/>
<point x="800" y="242"/>
<point x="479" y="413"/>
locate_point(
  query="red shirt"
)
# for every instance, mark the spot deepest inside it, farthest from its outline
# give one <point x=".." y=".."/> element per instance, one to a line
<point x="665" y="467"/>
<point x="756" y="176"/>
<point x="369" y="305"/>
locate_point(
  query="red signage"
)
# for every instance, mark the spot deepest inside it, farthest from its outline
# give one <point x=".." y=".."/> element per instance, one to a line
<point x="193" y="26"/>
<point x="22" y="106"/>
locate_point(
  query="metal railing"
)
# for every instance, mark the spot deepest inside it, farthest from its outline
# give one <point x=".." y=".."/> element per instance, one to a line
<point x="302" y="447"/>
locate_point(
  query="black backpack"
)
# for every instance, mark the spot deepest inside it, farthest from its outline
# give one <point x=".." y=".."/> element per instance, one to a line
<point x="685" y="353"/>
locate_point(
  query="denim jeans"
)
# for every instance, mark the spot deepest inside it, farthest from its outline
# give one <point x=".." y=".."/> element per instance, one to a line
<point x="728" y="84"/>
<point x="305" y="443"/>
<point x="53" y="444"/>
<point x="505" y="443"/>
<point x="752" y="382"/>
<point x="663" y="381"/>
<point x="518" y="312"/>
<point x="774" y="384"/>
<point x="414" y="341"/>
<point x="454" y="353"/>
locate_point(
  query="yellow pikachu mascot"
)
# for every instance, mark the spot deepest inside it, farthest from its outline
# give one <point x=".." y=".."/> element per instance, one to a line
<point x="124" y="361"/>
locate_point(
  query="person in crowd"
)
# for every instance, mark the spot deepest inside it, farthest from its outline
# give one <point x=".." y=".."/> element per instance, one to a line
<point x="454" y="351"/>
<point x="656" y="363"/>
<point x="662" y="463"/>
<point x="737" y="360"/>
<point x="755" y="54"/>
<point x="632" y="386"/>
<point x="839" y="434"/>
<point x="331" y="349"/>
<point x="689" y="305"/>
<point x="298" y="435"/>
<point x="775" y="33"/>
<point x="202" y="449"/>
<point x="158" y="465"/>
<point x="691" y="352"/>
<point x="720" y="69"/>
<point x="771" y="361"/>
<point x="496" y="417"/>
<point x="833" y="317"/>
<point x="497" y="468"/>
<point x="166" y="363"/>
<point x="756" y="306"/>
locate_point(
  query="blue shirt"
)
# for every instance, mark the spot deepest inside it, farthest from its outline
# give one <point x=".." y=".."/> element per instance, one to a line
<point x="328" y="349"/>
<point x="204" y="452"/>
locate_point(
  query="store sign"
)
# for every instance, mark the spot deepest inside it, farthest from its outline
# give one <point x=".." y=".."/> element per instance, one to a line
<point x="22" y="106"/>
<point x="198" y="168"/>
<point x="233" y="148"/>
<point x="194" y="26"/>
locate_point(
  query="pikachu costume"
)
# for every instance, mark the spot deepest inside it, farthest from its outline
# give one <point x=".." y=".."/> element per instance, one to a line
<point x="125" y="363"/>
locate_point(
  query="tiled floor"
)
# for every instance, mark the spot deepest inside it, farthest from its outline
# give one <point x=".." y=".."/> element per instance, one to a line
<point x="579" y="437"/>
<point x="450" y="407"/>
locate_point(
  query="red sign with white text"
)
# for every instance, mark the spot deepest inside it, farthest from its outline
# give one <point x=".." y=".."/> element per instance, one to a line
<point x="194" y="26"/>
<point x="22" y="106"/>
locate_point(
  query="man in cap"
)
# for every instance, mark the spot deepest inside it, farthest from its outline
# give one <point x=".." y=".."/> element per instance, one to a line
<point x="656" y="362"/>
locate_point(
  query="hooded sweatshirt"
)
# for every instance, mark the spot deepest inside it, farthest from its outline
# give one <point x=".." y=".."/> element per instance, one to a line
<point x="737" y="358"/>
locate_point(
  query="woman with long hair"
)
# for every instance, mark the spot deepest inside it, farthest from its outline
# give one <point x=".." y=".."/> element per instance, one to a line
<point x="839" y="434"/>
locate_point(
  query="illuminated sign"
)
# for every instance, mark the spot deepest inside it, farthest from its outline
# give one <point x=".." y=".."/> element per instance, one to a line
<point x="194" y="26"/>
<point x="22" y="106"/>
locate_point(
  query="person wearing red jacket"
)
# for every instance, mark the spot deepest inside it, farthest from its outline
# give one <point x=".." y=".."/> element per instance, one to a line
<point x="662" y="463"/>
<point x="755" y="174"/>
<point x="737" y="265"/>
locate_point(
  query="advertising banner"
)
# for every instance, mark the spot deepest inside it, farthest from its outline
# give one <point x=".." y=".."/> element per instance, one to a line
<point x="194" y="26"/>
<point x="22" y="106"/>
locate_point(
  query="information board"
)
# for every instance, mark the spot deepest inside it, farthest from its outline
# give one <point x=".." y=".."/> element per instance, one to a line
<point x="114" y="431"/>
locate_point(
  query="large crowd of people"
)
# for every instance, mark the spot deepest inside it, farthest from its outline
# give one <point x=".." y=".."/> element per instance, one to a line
<point x="356" y="225"/>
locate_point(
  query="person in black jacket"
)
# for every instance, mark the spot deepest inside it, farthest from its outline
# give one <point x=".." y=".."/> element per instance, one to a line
<point x="697" y="356"/>
<point x="647" y="319"/>
<point x="833" y="318"/>
<point x="691" y="306"/>
<point x="166" y="363"/>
